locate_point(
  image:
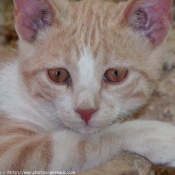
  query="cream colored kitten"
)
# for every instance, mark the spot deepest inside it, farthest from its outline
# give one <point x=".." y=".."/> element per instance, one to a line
<point x="81" y="68"/>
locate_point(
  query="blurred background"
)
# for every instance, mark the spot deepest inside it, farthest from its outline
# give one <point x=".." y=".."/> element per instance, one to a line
<point x="162" y="105"/>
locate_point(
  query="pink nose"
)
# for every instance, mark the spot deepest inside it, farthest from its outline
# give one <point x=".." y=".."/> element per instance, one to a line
<point x="86" y="114"/>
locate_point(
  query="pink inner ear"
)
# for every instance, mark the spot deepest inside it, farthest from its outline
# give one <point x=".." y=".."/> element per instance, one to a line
<point x="150" y="17"/>
<point x="31" y="16"/>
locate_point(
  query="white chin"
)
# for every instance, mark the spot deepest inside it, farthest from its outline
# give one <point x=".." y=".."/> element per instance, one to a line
<point x="87" y="130"/>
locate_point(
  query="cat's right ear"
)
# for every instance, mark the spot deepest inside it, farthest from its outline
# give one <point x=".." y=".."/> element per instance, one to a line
<point x="152" y="18"/>
<point x="32" y="16"/>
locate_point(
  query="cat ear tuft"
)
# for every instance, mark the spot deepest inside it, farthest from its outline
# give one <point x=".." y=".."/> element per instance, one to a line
<point x="31" y="16"/>
<point x="152" y="18"/>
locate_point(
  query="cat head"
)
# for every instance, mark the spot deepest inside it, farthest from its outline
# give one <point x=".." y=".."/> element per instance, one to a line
<point x="91" y="63"/>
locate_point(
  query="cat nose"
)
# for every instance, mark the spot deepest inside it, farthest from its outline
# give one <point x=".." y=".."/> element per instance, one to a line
<point x="86" y="114"/>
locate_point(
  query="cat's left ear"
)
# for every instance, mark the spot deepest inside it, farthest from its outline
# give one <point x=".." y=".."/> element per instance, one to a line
<point x="32" y="16"/>
<point x="152" y="18"/>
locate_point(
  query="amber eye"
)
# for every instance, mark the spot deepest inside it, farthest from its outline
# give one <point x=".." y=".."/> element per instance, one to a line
<point x="59" y="75"/>
<point x="115" y="75"/>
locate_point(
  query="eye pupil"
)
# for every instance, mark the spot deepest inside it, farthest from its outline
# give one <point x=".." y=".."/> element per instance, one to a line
<point x="116" y="73"/>
<point x="58" y="74"/>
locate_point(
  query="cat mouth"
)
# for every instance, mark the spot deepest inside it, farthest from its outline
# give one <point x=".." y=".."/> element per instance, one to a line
<point x="89" y="129"/>
<point x="84" y="130"/>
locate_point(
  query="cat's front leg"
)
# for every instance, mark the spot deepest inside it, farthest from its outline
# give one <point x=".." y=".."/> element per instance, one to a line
<point x="152" y="139"/>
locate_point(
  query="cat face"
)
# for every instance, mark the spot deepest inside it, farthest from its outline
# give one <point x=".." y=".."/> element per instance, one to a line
<point x="87" y="63"/>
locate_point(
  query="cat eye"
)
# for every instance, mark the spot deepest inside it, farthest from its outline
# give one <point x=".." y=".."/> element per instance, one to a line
<point x="115" y="75"/>
<point x="59" y="75"/>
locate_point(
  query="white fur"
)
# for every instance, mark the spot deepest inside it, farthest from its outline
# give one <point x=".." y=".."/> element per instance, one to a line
<point x="74" y="144"/>
<point x="86" y="68"/>
<point x="13" y="97"/>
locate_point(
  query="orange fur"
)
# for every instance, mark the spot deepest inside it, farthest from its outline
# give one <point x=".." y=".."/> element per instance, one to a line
<point x="40" y="128"/>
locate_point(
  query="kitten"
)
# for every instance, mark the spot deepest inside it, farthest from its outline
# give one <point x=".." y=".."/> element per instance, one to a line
<point x="81" y="68"/>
